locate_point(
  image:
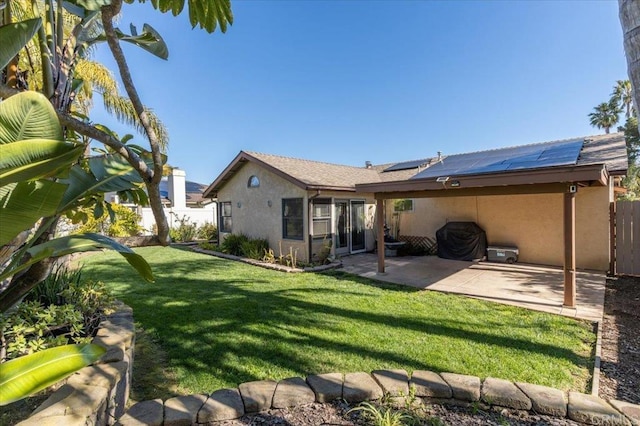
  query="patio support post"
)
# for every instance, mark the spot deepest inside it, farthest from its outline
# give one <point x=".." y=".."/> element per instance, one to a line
<point x="570" y="248"/>
<point x="380" y="233"/>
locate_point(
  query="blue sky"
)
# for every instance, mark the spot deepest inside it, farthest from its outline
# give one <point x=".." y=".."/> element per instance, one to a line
<point x="349" y="81"/>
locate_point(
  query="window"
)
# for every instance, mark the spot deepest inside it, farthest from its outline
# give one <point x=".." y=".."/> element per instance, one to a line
<point x="226" y="222"/>
<point x="292" y="218"/>
<point x="253" y="182"/>
<point x="321" y="218"/>
<point x="405" y="205"/>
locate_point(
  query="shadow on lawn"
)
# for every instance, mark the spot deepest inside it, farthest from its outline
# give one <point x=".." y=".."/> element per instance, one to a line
<point x="227" y="326"/>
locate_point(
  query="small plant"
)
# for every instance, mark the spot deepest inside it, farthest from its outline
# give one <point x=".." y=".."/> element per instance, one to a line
<point x="208" y="231"/>
<point x="269" y="256"/>
<point x="232" y="244"/>
<point x="291" y="259"/>
<point x="325" y="252"/>
<point x="254" y="248"/>
<point x="185" y="231"/>
<point x="49" y="291"/>
<point x="208" y="246"/>
<point x="382" y="416"/>
<point x="125" y="222"/>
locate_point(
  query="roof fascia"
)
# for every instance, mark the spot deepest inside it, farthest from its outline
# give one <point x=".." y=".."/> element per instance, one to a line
<point x="589" y="173"/>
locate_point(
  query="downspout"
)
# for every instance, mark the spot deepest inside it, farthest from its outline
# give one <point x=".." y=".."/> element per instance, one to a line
<point x="310" y="227"/>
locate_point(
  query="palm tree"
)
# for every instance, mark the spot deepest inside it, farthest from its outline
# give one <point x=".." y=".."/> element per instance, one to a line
<point x="605" y="116"/>
<point x="629" y="12"/>
<point x="623" y="97"/>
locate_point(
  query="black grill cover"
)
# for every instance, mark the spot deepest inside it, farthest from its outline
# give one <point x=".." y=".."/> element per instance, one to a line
<point x="461" y="241"/>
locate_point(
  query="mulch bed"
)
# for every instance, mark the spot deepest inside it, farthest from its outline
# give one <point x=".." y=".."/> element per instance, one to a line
<point x="620" y="362"/>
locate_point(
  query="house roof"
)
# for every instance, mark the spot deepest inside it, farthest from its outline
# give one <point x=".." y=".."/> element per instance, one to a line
<point x="603" y="152"/>
<point x="193" y="191"/>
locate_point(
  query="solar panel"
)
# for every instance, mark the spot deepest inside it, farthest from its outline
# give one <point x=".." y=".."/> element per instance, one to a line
<point x="406" y="165"/>
<point x="550" y="154"/>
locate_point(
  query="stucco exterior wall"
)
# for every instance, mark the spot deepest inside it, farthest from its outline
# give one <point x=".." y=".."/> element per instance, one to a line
<point x="251" y="213"/>
<point x="533" y="223"/>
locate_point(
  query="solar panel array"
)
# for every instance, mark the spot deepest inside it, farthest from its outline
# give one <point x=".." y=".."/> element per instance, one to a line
<point x="407" y="165"/>
<point x="551" y="154"/>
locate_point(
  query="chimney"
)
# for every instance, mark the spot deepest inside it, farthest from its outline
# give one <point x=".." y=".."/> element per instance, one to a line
<point x="177" y="188"/>
<point x="439" y="155"/>
<point x="367" y="164"/>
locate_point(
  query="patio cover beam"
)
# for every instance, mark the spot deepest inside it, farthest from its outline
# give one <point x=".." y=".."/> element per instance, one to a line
<point x="549" y="188"/>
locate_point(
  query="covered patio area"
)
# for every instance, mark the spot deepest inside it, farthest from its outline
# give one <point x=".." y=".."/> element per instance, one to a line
<point x="534" y="287"/>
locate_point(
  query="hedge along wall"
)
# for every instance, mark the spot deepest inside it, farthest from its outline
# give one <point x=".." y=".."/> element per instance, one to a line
<point x="98" y="394"/>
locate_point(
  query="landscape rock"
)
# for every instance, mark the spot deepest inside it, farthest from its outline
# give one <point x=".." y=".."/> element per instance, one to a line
<point x="291" y="392"/>
<point x="504" y="394"/>
<point x="149" y="413"/>
<point x="223" y="404"/>
<point x="430" y="384"/>
<point x="632" y="411"/>
<point x="463" y="387"/>
<point x="327" y="387"/>
<point x="545" y="400"/>
<point x="258" y="395"/>
<point x="393" y="382"/>
<point x="593" y="410"/>
<point x="360" y="387"/>
<point x="183" y="410"/>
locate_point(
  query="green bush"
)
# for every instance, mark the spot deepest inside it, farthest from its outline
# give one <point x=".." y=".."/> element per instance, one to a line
<point x="232" y="244"/>
<point x="209" y="246"/>
<point x="208" y="231"/>
<point x="185" y="231"/>
<point x="33" y="327"/>
<point x="255" y="248"/>
<point x="49" y="291"/>
<point x="126" y="223"/>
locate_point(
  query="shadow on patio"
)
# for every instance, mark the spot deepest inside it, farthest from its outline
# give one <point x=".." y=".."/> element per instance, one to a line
<point x="529" y="286"/>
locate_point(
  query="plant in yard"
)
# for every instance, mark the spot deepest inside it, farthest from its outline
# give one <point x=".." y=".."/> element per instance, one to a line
<point x="208" y="231"/>
<point x="208" y="246"/>
<point x="232" y="244"/>
<point x="379" y="415"/>
<point x="185" y="231"/>
<point x="120" y="221"/>
<point x="254" y="248"/>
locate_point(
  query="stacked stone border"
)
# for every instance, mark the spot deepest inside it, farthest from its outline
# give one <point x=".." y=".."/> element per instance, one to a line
<point x="397" y="385"/>
<point x="98" y="394"/>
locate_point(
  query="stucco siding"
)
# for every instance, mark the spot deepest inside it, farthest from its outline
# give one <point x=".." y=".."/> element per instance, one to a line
<point x="254" y="217"/>
<point x="533" y="223"/>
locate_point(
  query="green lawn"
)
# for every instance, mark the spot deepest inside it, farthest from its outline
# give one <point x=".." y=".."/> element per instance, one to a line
<point x="219" y="323"/>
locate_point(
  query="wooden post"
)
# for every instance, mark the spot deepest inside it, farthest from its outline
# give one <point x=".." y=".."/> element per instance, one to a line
<point x="612" y="239"/>
<point x="569" y="249"/>
<point x="380" y="233"/>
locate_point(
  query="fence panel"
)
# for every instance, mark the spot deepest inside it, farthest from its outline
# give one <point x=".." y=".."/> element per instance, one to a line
<point x="628" y="237"/>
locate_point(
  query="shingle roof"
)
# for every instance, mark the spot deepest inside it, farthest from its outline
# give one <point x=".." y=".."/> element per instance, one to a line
<point x="609" y="150"/>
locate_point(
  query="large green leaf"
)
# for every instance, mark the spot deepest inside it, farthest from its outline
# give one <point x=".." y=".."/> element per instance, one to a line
<point x="108" y="173"/>
<point x="15" y="36"/>
<point x="89" y="4"/>
<point x="207" y="14"/>
<point x="81" y="243"/>
<point x="35" y="159"/>
<point x="29" y="374"/>
<point x="28" y="115"/>
<point x="149" y="40"/>
<point x="22" y="204"/>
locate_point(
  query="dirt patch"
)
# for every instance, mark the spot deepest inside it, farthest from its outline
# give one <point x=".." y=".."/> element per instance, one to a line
<point x="620" y="363"/>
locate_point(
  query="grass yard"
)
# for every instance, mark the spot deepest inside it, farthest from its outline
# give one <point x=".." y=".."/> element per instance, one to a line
<point x="214" y="323"/>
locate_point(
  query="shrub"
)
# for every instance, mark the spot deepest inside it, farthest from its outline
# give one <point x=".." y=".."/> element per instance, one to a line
<point x="49" y="291"/>
<point x="208" y="231"/>
<point x="209" y="246"/>
<point x="185" y="231"/>
<point x="125" y="223"/>
<point x="255" y="248"/>
<point x="32" y="327"/>
<point x="232" y="244"/>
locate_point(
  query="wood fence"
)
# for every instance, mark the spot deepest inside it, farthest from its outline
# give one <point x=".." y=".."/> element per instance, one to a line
<point x="626" y="235"/>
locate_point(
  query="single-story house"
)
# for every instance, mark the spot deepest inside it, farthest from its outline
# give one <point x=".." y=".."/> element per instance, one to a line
<point x="549" y="199"/>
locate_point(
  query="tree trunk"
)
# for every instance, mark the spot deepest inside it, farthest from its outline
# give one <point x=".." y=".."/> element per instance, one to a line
<point x="153" y="184"/>
<point x="629" y="11"/>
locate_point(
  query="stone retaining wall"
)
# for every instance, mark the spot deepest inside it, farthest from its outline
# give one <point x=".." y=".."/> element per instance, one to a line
<point x="98" y="394"/>
<point x="427" y="386"/>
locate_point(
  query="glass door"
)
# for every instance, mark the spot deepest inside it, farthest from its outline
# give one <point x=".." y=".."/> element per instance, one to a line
<point x="342" y="226"/>
<point x="357" y="227"/>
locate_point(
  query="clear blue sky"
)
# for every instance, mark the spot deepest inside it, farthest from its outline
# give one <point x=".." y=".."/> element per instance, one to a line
<point x="349" y="81"/>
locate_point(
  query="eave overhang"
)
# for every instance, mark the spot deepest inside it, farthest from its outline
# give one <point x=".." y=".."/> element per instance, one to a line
<point x="548" y="180"/>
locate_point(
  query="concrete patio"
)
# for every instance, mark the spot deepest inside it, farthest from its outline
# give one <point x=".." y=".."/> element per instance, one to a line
<point x="530" y="286"/>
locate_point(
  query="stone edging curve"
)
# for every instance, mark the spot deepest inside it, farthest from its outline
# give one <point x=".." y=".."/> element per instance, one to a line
<point x="253" y="397"/>
<point x="97" y="394"/>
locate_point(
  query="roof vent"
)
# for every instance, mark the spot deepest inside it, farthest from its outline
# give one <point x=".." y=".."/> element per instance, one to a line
<point x="439" y="155"/>
<point x="368" y="164"/>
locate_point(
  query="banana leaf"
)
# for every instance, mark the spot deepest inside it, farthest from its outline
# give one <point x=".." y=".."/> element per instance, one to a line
<point x="29" y="374"/>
